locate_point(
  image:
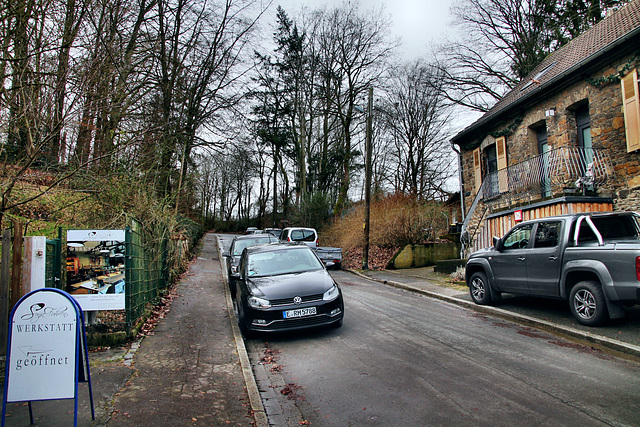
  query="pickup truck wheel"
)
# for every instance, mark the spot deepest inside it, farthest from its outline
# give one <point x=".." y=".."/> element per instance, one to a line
<point x="588" y="304"/>
<point x="479" y="288"/>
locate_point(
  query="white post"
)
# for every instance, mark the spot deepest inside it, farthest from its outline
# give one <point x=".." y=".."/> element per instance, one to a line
<point x="34" y="267"/>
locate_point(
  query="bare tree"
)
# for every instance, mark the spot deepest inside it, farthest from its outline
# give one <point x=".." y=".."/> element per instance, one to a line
<point x="416" y="116"/>
<point x="354" y="52"/>
<point x="502" y="41"/>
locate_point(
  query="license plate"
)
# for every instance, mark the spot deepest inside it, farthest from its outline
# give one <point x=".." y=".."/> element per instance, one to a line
<point x="300" y="312"/>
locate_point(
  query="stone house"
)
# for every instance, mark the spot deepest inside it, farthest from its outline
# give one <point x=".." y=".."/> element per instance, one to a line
<point x="566" y="139"/>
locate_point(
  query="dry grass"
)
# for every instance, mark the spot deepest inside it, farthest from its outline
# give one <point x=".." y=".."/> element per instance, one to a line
<point x="396" y="221"/>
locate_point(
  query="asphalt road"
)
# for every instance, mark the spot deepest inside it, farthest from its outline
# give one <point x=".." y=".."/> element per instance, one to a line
<point x="557" y="312"/>
<point x="405" y="359"/>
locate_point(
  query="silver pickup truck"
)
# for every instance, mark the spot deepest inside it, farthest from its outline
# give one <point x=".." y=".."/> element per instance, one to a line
<point x="592" y="260"/>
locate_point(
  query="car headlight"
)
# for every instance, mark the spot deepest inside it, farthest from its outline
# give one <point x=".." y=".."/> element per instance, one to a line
<point x="255" y="302"/>
<point x="331" y="294"/>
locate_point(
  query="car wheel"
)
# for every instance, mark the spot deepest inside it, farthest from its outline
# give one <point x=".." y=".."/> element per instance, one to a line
<point x="479" y="288"/>
<point x="232" y="288"/>
<point x="587" y="303"/>
<point x="242" y="321"/>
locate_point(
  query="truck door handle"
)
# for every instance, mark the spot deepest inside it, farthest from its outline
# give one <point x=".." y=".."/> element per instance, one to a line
<point x="521" y="258"/>
<point x="553" y="258"/>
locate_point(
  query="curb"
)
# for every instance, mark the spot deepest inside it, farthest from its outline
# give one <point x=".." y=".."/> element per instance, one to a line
<point x="257" y="408"/>
<point x="564" y="331"/>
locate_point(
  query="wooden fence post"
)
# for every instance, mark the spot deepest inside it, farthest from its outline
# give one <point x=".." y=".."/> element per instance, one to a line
<point x="16" y="266"/>
<point x="5" y="275"/>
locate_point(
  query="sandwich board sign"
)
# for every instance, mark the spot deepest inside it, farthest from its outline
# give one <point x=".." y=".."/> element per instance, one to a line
<point x="46" y="352"/>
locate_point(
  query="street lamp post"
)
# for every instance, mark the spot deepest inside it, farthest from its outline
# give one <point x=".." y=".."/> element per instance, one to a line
<point x="367" y="184"/>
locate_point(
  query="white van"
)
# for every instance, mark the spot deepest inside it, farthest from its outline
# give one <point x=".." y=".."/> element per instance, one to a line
<point x="308" y="236"/>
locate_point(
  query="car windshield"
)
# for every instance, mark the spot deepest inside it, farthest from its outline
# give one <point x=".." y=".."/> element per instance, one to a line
<point x="283" y="261"/>
<point x="239" y="245"/>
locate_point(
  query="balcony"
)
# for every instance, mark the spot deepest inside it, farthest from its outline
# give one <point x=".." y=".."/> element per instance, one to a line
<point x="560" y="172"/>
<point x="565" y="170"/>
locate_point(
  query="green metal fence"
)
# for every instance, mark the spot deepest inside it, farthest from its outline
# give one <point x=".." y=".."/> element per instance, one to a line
<point x="53" y="273"/>
<point x="153" y="259"/>
<point x="146" y="269"/>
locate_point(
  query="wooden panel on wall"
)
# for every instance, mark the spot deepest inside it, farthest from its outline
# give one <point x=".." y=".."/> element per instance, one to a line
<point x="498" y="226"/>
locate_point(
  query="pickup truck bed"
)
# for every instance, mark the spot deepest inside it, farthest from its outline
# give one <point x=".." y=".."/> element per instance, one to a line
<point x="330" y="257"/>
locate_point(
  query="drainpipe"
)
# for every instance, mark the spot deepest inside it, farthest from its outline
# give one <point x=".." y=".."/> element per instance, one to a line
<point x="453" y="147"/>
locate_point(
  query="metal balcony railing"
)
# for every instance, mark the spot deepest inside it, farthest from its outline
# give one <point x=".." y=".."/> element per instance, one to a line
<point x="578" y="169"/>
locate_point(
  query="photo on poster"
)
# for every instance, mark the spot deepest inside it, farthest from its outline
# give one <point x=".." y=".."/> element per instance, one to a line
<point x="95" y="268"/>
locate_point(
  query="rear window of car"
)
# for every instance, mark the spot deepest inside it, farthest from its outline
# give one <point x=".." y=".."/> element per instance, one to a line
<point x="240" y="245"/>
<point x="303" y="236"/>
<point x="613" y="227"/>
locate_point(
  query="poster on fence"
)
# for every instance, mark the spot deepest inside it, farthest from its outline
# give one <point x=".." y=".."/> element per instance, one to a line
<point x="95" y="268"/>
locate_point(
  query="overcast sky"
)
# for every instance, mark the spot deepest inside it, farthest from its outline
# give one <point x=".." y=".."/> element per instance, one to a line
<point x="418" y="22"/>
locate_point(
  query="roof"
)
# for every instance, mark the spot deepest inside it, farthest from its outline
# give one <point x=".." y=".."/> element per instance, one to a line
<point x="276" y="247"/>
<point x="602" y="42"/>
<point x="252" y="236"/>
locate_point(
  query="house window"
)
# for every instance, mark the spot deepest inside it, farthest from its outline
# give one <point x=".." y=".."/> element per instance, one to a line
<point x="583" y="124"/>
<point x="584" y="133"/>
<point x="491" y="169"/>
<point x="543" y="150"/>
<point x="631" y="108"/>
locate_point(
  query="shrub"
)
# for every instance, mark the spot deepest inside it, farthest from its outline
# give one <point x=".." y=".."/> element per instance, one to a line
<point x="395" y="221"/>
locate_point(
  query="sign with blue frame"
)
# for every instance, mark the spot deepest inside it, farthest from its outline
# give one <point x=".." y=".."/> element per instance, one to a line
<point x="47" y="354"/>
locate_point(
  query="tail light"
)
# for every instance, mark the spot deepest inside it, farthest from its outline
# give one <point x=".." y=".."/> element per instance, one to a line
<point x="638" y="267"/>
<point x="317" y="242"/>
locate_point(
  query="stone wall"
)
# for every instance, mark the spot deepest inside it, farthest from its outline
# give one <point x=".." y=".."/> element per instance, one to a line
<point x="414" y="256"/>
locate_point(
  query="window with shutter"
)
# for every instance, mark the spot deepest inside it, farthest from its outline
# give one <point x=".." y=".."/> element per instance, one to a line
<point x="631" y="108"/>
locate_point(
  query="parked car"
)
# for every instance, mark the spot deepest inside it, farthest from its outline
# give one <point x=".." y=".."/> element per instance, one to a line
<point x="591" y="260"/>
<point x="257" y="231"/>
<point x="275" y="231"/>
<point x="331" y="257"/>
<point x="283" y="287"/>
<point x="235" y="250"/>
<point x="250" y="230"/>
<point x="308" y="236"/>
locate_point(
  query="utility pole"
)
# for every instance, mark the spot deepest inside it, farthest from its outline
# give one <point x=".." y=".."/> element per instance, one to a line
<point x="367" y="184"/>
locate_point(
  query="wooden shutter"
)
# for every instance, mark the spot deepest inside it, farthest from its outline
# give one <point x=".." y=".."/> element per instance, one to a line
<point x="477" y="170"/>
<point x="631" y="108"/>
<point x="501" y="151"/>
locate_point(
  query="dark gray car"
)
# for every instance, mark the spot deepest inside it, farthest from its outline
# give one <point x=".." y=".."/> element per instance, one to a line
<point x="238" y="244"/>
<point x="592" y="260"/>
<point x="285" y="287"/>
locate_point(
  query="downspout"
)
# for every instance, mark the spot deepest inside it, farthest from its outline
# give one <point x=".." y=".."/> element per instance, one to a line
<point x="453" y="147"/>
<point x="459" y="153"/>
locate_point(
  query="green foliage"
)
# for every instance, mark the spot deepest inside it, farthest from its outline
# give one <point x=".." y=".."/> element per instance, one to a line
<point x="315" y="211"/>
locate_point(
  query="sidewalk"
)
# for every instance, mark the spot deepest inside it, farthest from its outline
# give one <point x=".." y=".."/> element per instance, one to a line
<point x="188" y="372"/>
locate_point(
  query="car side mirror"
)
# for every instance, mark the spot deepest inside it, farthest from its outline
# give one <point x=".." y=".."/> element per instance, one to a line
<point x="497" y="243"/>
<point x="226" y="254"/>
